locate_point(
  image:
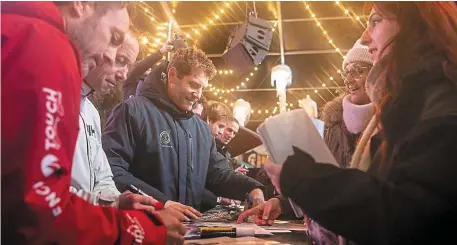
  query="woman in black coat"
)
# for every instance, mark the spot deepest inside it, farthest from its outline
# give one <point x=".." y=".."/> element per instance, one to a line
<point x="403" y="185"/>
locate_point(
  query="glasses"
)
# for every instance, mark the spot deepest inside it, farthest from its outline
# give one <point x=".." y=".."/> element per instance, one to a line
<point x="355" y="72"/>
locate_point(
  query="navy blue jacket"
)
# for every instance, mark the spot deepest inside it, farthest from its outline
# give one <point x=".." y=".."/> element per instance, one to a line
<point x="168" y="153"/>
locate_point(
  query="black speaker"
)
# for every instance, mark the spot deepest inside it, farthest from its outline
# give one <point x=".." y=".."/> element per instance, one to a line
<point x="248" y="45"/>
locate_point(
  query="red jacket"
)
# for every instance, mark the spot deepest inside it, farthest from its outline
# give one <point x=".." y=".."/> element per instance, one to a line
<point x="41" y="84"/>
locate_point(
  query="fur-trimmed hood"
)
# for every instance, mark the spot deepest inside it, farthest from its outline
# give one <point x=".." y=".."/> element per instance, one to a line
<point x="332" y="112"/>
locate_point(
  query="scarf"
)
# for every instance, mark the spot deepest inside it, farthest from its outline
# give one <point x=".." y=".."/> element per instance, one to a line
<point x="356" y="117"/>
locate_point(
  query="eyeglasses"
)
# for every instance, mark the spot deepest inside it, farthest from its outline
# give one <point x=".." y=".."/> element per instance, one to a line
<point x="355" y="72"/>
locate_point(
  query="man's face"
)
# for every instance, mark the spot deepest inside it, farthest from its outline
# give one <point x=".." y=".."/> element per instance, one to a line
<point x="97" y="34"/>
<point x="105" y="77"/>
<point x="218" y="128"/>
<point x="356" y="77"/>
<point x="187" y="90"/>
<point x="230" y="131"/>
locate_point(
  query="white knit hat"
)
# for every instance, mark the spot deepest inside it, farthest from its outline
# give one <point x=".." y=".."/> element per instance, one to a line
<point x="358" y="53"/>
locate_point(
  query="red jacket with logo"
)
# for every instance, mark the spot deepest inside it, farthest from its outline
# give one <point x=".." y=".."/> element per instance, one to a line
<point x="41" y="84"/>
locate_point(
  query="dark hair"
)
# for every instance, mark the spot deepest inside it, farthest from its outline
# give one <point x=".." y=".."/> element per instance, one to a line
<point x="232" y="119"/>
<point x="427" y="30"/>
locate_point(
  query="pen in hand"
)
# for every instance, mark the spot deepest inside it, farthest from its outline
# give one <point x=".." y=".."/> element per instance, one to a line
<point x="158" y="205"/>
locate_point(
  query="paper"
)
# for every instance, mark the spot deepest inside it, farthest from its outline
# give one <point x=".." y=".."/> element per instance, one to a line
<point x="294" y="128"/>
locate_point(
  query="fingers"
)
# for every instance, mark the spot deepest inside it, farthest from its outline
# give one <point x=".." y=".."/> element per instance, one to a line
<point x="147" y="208"/>
<point x="189" y="213"/>
<point x="266" y="211"/>
<point x="247" y="213"/>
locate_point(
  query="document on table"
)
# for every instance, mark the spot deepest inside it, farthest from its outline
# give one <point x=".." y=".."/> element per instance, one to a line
<point x="294" y="128"/>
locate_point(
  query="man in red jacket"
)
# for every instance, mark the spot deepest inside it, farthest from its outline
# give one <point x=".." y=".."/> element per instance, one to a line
<point x="41" y="84"/>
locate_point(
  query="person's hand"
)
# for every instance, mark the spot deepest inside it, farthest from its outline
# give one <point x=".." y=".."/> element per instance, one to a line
<point x="174" y="228"/>
<point x="257" y="197"/>
<point x="274" y="172"/>
<point x="265" y="213"/>
<point x="242" y="170"/>
<point x="128" y="200"/>
<point x="225" y="201"/>
<point x="188" y="211"/>
<point x="166" y="48"/>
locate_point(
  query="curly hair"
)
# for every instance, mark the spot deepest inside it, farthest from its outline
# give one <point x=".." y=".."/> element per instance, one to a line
<point x="186" y="59"/>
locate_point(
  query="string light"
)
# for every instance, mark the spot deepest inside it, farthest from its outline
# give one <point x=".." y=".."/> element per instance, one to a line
<point x="357" y="18"/>
<point x="325" y="33"/>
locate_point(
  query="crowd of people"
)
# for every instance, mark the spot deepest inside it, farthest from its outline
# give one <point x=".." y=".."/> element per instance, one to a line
<point x="79" y="170"/>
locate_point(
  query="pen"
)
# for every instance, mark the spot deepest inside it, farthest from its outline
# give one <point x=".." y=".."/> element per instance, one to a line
<point x="158" y="205"/>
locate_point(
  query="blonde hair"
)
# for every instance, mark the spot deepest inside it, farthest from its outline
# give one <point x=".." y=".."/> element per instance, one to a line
<point x="186" y="59"/>
<point x="215" y="111"/>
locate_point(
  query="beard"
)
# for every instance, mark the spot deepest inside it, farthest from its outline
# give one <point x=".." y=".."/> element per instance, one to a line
<point x="82" y="36"/>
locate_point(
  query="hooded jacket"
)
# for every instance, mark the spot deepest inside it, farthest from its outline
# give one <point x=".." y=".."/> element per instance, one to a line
<point x="41" y="85"/>
<point x="168" y="153"/>
<point x="414" y="201"/>
<point x="91" y="171"/>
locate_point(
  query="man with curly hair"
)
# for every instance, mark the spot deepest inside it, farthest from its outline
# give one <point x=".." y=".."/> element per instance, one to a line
<point x="155" y="142"/>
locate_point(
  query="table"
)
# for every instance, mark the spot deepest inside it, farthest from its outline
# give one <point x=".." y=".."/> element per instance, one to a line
<point x="230" y="214"/>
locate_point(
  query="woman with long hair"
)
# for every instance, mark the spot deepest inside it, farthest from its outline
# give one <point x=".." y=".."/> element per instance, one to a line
<point x="402" y="188"/>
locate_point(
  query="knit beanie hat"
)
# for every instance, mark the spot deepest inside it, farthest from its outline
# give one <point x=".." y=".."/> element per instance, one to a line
<point x="358" y="53"/>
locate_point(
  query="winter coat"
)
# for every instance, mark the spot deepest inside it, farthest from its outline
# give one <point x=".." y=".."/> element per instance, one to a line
<point x="91" y="171"/>
<point x="41" y="89"/>
<point x="168" y="153"/>
<point x="339" y="140"/>
<point x="414" y="201"/>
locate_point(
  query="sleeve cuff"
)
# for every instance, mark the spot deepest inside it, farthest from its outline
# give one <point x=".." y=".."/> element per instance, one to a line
<point x="138" y="227"/>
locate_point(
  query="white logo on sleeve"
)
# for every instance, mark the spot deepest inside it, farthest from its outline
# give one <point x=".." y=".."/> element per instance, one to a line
<point x="49" y="165"/>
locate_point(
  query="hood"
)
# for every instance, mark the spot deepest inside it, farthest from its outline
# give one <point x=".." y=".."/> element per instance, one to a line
<point x="333" y="111"/>
<point x="46" y="11"/>
<point x="154" y="88"/>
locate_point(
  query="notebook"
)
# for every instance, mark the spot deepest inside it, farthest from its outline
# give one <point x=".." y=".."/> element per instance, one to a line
<point x="294" y="128"/>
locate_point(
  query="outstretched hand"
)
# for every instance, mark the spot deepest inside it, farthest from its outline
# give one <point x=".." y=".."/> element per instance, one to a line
<point x="265" y="213"/>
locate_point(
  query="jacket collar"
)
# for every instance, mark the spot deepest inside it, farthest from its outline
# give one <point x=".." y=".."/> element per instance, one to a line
<point x="154" y="87"/>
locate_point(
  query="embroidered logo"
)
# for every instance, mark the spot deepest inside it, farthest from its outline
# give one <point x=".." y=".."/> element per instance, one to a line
<point x="165" y="139"/>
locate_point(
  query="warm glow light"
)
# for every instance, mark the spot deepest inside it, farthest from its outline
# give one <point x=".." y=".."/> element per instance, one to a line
<point x="225" y="101"/>
<point x="331" y="78"/>
<point x="325" y="32"/>
<point x="339" y="71"/>
<point x="337" y="50"/>
<point x="217" y="16"/>
<point x="330" y="41"/>
<point x="243" y="84"/>
<point x="323" y="85"/>
<point x="255" y="68"/>
<point x="222" y="11"/>
<point x="313" y="15"/>
<point x="227" y="4"/>
<point x="211" y="21"/>
<point x="266" y="111"/>
<point x="231" y="104"/>
<point x="204" y="27"/>
<point x="247" y="79"/>
<point x="259" y="111"/>
<point x="315" y="91"/>
<point x="237" y="87"/>
<point x="144" y="40"/>
<point x="252" y="74"/>
<point x="173" y="11"/>
<point x="233" y="90"/>
<point x="152" y="18"/>
<point x="307" y="6"/>
<point x="146" y="10"/>
<point x="337" y="2"/>
<point x="318" y="24"/>
<point x="273" y="29"/>
<point x="196" y="31"/>
<point x="187" y="35"/>
<point x="225" y="72"/>
<point x="357" y="17"/>
<point x="346" y="12"/>
<point x="220" y="72"/>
